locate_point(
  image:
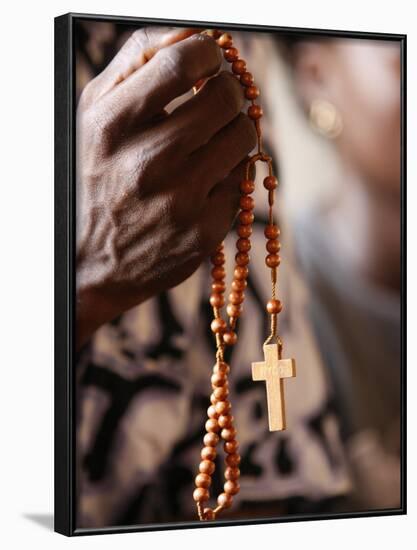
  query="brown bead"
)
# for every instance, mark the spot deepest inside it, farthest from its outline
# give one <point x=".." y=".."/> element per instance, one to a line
<point x="234" y="310"/>
<point x="230" y="337"/>
<point x="224" y="500"/>
<point x="225" y="41"/>
<point x="218" y="272"/>
<point x="211" y="439"/>
<point x="212" y="425"/>
<point x="243" y="245"/>
<point x="246" y="217"/>
<point x="252" y="92"/>
<point x="231" y="473"/>
<point x="218" y="286"/>
<point x="247" y="187"/>
<point x="242" y="258"/>
<point x="231" y="447"/>
<point x="208" y="513"/>
<point x="217" y="300"/>
<point x="272" y="260"/>
<point x="209" y="453"/>
<point x="239" y="66"/>
<point x="273" y="246"/>
<point x="246" y="202"/>
<point x="231" y="54"/>
<point x="241" y="272"/>
<point x="222" y="367"/>
<point x="200" y="494"/>
<point x="239" y="285"/>
<point x="218" y="379"/>
<point x="223" y="407"/>
<point x="233" y="460"/>
<point x="213" y="400"/>
<point x="255" y="112"/>
<point x="228" y="434"/>
<point x="270" y="183"/>
<point x="244" y="231"/>
<point x="218" y="325"/>
<point x="221" y="393"/>
<point x="231" y="487"/>
<point x="271" y="231"/>
<point x="206" y="467"/>
<point x="217" y="259"/>
<point x="225" y="420"/>
<point x="236" y="298"/>
<point x="203" y="480"/>
<point x="211" y="412"/>
<point x="246" y="79"/>
<point x="274" y="306"/>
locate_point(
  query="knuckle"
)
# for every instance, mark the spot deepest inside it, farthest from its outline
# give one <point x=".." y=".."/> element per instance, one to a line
<point x="228" y="94"/>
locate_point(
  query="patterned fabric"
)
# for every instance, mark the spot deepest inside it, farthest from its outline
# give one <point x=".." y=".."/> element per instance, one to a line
<point x="143" y="386"/>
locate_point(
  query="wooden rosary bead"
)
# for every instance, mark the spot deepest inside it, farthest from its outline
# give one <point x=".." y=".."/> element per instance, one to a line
<point x="246" y="78"/>
<point x="217" y="300"/>
<point x="246" y="217"/>
<point x="230" y="337"/>
<point x="208" y="513"/>
<point x="218" y="325"/>
<point x="247" y="187"/>
<point x="231" y="474"/>
<point x="228" y="434"/>
<point x="239" y="66"/>
<point x="209" y="453"/>
<point x="206" y="467"/>
<point x="221" y="367"/>
<point x="231" y="487"/>
<point x="213" y="400"/>
<point x="218" y="379"/>
<point x="218" y="272"/>
<point x="225" y="41"/>
<point x="273" y="246"/>
<point x="271" y="231"/>
<point x="236" y="298"/>
<point x="243" y="245"/>
<point x="241" y="272"/>
<point x="252" y="92"/>
<point x="272" y="260"/>
<point x="239" y="284"/>
<point x="233" y="310"/>
<point x="211" y="439"/>
<point x="218" y="287"/>
<point x="223" y="407"/>
<point x="224" y="500"/>
<point x="217" y="259"/>
<point x="255" y="112"/>
<point x="211" y="412"/>
<point x="270" y="183"/>
<point x="201" y="495"/>
<point x="231" y="54"/>
<point x="246" y="202"/>
<point x="203" y="481"/>
<point x="212" y="425"/>
<point x="233" y="460"/>
<point x="221" y="393"/>
<point x="244" y="230"/>
<point x="231" y="447"/>
<point x="274" y="306"/>
<point x="242" y="258"/>
<point x="225" y="421"/>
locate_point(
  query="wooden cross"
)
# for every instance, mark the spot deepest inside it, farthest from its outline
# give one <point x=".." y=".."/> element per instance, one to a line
<point x="272" y="371"/>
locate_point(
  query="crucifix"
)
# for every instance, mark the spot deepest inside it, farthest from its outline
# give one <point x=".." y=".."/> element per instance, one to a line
<point x="273" y="370"/>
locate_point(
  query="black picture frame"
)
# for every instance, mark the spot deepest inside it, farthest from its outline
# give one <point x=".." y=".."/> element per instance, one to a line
<point x="64" y="382"/>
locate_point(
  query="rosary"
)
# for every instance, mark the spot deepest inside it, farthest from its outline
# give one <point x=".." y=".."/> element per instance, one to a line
<point x="220" y="423"/>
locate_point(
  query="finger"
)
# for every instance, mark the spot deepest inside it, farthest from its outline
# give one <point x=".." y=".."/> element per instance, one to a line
<point x="215" y="160"/>
<point x="196" y="121"/>
<point x="171" y="72"/>
<point x="140" y="47"/>
<point x="220" y="209"/>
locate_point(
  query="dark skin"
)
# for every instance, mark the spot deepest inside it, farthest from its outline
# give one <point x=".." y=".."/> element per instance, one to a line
<point x="156" y="192"/>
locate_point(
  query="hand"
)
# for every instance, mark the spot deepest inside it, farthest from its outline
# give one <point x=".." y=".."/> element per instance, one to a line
<point x="156" y="192"/>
